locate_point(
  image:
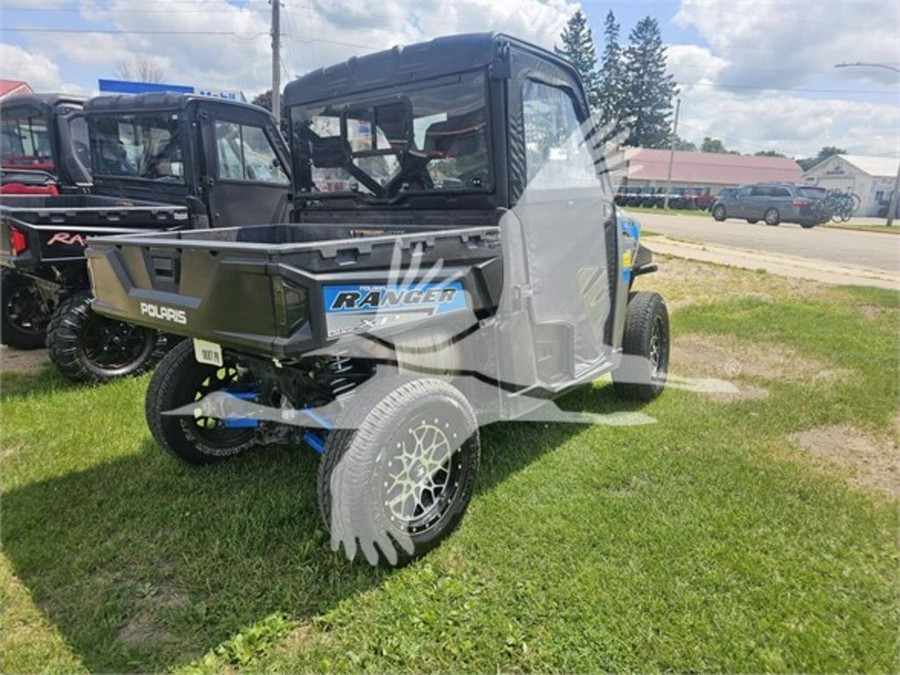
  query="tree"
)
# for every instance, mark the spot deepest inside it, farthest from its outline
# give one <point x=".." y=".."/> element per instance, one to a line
<point x="768" y="153"/>
<point x="684" y="144"/>
<point x="611" y="77"/>
<point x="713" y="145"/>
<point x="824" y="153"/>
<point x="264" y="100"/>
<point x="649" y="88"/>
<point x="140" y="70"/>
<point x="578" y="49"/>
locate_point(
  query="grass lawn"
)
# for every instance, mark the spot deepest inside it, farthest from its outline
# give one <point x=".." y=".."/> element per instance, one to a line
<point x="733" y="535"/>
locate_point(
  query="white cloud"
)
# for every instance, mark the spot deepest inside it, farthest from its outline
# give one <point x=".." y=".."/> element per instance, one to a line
<point x="691" y="63"/>
<point x="784" y="44"/>
<point x="38" y="70"/>
<point x="788" y="123"/>
<point x="766" y="79"/>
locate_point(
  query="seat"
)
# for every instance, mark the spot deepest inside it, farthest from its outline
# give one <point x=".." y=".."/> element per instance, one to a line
<point x="458" y="136"/>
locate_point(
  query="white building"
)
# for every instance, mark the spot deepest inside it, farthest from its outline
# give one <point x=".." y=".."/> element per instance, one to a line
<point x="872" y="178"/>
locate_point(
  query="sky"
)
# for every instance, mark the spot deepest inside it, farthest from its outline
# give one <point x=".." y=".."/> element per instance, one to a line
<point x="757" y="74"/>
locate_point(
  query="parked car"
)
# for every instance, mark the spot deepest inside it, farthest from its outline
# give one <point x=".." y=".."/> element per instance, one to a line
<point x="773" y="203"/>
<point x="724" y="194"/>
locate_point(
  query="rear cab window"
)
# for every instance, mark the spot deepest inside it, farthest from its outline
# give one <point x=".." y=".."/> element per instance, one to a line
<point x="25" y="140"/>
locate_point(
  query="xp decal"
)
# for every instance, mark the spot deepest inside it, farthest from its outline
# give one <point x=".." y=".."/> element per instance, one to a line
<point x="359" y="308"/>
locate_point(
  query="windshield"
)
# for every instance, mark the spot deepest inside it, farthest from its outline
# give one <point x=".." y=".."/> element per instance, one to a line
<point x="137" y="146"/>
<point x="428" y="138"/>
<point x="25" y="140"/>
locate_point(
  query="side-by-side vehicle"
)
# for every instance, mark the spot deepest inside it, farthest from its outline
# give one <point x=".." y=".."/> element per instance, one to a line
<point x="158" y="161"/>
<point x="453" y="258"/>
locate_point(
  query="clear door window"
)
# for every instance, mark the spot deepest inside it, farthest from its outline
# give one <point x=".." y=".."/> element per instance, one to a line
<point x="557" y="155"/>
<point x="245" y="153"/>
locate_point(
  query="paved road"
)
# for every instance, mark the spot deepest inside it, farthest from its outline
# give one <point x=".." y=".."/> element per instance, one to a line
<point x="871" y="250"/>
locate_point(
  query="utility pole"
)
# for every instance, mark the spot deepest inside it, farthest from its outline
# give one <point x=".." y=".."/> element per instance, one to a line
<point x="276" y="59"/>
<point x="672" y="154"/>
<point x="892" y="207"/>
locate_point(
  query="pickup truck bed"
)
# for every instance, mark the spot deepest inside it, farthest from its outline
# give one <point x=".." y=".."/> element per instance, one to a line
<point x="283" y="290"/>
<point x="38" y="232"/>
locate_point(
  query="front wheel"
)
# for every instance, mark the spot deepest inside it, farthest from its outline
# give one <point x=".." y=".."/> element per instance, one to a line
<point x="772" y="217"/>
<point x="718" y="212"/>
<point x="180" y="380"/>
<point x="24" y="319"/>
<point x="87" y="347"/>
<point x="399" y="471"/>
<point x="645" y="346"/>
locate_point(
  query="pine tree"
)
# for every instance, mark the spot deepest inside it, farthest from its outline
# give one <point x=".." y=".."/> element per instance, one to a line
<point x="649" y="88"/>
<point x="578" y="49"/>
<point x="611" y="77"/>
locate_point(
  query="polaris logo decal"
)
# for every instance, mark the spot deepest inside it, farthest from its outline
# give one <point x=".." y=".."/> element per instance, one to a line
<point x="164" y="313"/>
<point x="363" y="307"/>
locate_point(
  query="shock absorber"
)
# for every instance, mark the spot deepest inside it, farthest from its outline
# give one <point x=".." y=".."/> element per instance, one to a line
<point x="338" y="369"/>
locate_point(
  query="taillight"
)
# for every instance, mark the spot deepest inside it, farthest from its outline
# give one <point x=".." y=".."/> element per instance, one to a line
<point x="18" y="241"/>
<point x="799" y="202"/>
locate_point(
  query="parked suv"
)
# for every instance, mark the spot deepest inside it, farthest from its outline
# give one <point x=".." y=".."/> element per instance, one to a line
<point x="772" y="202"/>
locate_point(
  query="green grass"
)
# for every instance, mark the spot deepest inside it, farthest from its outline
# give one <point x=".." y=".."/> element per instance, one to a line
<point x="703" y="542"/>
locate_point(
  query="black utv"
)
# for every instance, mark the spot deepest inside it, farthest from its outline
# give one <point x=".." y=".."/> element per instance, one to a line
<point x="453" y="259"/>
<point x="157" y="162"/>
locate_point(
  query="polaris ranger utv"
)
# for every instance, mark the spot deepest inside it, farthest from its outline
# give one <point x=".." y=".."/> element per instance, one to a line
<point x="43" y="143"/>
<point x="43" y="151"/>
<point x="159" y="161"/>
<point x="454" y="259"/>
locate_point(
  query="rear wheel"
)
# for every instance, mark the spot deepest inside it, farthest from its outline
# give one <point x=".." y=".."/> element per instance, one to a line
<point x="24" y="319"/>
<point x="718" y="212"/>
<point x="772" y="217"/>
<point x="399" y="471"/>
<point x="87" y="347"/>
<point x="178" y="381"/>
<point x="645" y="346"/>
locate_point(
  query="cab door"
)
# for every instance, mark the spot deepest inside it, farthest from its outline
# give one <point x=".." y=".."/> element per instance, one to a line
<point x="569" y="233"/>
<point x="247" y="180"/>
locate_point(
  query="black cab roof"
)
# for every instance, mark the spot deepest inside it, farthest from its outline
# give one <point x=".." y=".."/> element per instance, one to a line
<point x="43" y="101"/>
<point x="157" y="101"/>
<point x="441" y="56"/>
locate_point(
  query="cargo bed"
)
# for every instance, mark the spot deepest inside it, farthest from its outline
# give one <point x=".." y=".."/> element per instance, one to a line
<point x="282" y="290"/>
<point x="45" y="231"/>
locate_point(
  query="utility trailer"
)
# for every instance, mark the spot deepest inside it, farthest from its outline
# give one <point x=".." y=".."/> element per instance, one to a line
<point x="454" y="258"/>
<point x="159" y="162"/>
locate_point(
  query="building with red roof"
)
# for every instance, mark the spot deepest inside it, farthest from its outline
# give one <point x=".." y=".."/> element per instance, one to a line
<point x="12" y="87"/>
<point x="648" y="167"/>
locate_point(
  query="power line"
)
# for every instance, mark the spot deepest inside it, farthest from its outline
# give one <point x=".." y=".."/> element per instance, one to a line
<point x="117" y="31"/>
